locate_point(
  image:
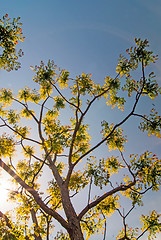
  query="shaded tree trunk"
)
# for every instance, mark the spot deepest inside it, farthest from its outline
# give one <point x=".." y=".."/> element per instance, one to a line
<point x="75" y="231"/>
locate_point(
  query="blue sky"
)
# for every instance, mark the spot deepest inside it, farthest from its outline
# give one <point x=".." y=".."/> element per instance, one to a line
<point x="86" y="36"/>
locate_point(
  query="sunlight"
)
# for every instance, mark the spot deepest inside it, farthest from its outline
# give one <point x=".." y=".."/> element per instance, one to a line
<point x="5" y="186"/>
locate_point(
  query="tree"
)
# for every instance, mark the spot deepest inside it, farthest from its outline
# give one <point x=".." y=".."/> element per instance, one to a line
<point x="10" y="34"/>
<point x="62" y="147"/>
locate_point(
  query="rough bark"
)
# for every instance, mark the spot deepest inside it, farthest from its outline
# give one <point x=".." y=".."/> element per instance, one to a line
<point x="74" y="231"/>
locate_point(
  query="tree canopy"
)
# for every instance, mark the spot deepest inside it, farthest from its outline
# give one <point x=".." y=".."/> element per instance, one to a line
<point x="47" y="126"/>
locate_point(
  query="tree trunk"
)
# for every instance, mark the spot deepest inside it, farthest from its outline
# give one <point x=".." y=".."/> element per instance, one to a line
<point x="74" y="229"/>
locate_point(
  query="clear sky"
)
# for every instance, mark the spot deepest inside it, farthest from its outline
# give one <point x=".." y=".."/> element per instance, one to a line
<point x="86" y="36"/>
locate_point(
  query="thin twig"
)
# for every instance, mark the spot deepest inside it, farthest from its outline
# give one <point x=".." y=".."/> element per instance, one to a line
<point x="104" y="235"/>
<point x="89" y="193"/>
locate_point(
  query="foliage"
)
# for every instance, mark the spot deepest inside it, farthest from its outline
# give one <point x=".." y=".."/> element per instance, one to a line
<point x="151" y="223"/>
<point x="10" y="230"/>
<point x="49" y="124"/>
<point x="10" y="34"/>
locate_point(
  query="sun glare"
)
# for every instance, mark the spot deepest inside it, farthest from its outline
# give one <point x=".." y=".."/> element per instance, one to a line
<point x="5" y="186"/>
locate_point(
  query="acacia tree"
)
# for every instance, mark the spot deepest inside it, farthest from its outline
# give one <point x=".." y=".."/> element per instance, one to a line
<point x="62" y="147"/>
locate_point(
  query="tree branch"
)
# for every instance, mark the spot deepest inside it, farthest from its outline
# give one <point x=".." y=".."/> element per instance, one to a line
<point x="6" y="219"/>
<point x="35" y="195"/>
<point x="40" y="120"/>
<point x="2" y="215"/>
<point x="13" y="130"/>
<point x="138" y="95"/>
<point x="89" y="193"/>
<point x="104" y="235"/>
<point x="72" y="104"/>
<point x="48" y="157"/>
<point x="37" y="158"/>
<point x="144" y="231"/>
<point x="78" y="124"/>
<point x="36" y="226"/>
<point x="141" y="116"/>
<point x="127" y="165"/>
<point x="24" y="105"/>
<point x="105" y="195"/>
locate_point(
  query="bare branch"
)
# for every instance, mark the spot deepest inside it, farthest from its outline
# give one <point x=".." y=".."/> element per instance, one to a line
<point x="144" y="232"/>
<point x="76" y="113"/>
<point x="89" y="193"/>
<point x="104" y="235"/>
<point x="37" y="158"/>
<point x="72" y="104"/>
<point x="36" y="226"/>
<point x="12" y="163"/>
<point x="40" y="120"/>
<point x="25" y="106"/>
<point x="15" y="131"/>
<point x="128" y="166"/>
<point x="141" y="116"/>
<point x="48" y="157"/>
<point x="105" y="195"/>
<point x="74" y="194"/>
<point x="141" y="193"/>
